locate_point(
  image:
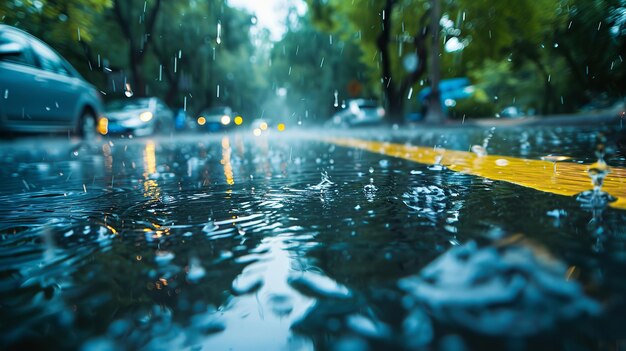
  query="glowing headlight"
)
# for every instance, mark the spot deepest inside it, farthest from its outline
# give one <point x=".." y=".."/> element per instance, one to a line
<point x="201" y="120"/>
<point x="225" y="120"/>
<point x="145" y="116"/>
<point x="238" y="120"/>
<point x="263" y="126"/>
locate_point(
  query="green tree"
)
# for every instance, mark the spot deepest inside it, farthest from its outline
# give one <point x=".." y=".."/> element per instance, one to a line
<point x="69" y="26"/>
<point x="311" y="66"/>
<point x="137" y="33"/>
<point x="393" y="38"/>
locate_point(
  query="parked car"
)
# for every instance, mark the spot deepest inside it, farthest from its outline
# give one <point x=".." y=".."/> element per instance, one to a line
<point x="40" y="91"/>
<point x="358" y="112"/>
<point x="450" y="91"/>
<point x="137" y="116"/>
<point x="215" y="119"/>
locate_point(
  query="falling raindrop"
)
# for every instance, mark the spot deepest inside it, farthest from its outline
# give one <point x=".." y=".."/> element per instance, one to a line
<point x="128" y="91"/>
<point x="218" y="40"/>
<point x="336" y="94"/>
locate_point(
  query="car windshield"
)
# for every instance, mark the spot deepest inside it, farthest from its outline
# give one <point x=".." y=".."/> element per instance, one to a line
<point x="217" y="111"/>
<point x="127" y="104"/>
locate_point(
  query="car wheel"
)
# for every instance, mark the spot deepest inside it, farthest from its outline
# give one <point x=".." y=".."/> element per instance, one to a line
<point x="86" y="128"/>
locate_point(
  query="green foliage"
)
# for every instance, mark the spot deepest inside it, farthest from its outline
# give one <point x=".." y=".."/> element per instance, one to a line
<point x="311" y="66"/>
<point x="475" y="107"/>
<point x="548" y="55"/>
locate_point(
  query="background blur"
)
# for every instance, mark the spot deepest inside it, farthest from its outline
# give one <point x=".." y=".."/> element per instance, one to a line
<point x="521" y="57"/>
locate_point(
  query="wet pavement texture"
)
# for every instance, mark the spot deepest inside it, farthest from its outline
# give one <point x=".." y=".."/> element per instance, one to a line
<point x="288" y="242"/>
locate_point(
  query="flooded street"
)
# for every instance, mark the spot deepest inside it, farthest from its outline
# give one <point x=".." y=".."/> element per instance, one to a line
<point x="289" y="241"/>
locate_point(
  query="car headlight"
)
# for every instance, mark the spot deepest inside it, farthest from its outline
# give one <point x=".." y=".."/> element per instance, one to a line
<point x="145" y="116"/>
<point x="225" y="120"/>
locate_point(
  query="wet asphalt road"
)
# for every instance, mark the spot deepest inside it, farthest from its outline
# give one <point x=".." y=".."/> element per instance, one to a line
<point x="284" y="241"/>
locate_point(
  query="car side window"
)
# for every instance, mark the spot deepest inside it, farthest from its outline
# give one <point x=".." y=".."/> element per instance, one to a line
<point x="48" y="59"/>
<point x="23" y="57"/>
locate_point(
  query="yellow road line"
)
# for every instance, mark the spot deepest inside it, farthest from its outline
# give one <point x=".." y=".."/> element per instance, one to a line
<point x="570" y="178"/>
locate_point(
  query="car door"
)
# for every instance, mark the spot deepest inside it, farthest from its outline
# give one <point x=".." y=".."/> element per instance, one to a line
<point x="63" y="90"/>
<point x="19" y="87"/>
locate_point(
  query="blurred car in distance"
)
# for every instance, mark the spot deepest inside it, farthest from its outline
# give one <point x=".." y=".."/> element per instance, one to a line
<point x="40" y="91"/>
<point x="450" y="91"/>
<point x="137" y="116"/>
<point x="512" y="112"/>
<point x="260" y="125"/>
<point x="215" y="119"/>
<point x="358" y="112"/>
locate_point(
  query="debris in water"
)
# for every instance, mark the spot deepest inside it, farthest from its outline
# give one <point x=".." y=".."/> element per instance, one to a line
<point x="510" y="287"/>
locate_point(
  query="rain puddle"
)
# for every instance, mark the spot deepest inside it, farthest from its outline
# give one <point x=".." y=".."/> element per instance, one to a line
<point x="242" y="242"/>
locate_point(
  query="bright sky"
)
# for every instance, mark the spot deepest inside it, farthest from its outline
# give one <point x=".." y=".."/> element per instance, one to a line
<point x="270" y="14"/>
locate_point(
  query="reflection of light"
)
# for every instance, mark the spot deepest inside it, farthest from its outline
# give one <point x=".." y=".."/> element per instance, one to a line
<point x="238" y="120"/>
<point x="225" y="120"/>
<point x="281" y="127"/>
<point x="149" y="159"/>
<point x="201" y="120"/>
<point x="103" y="126"/>
<point x="454" y="44"/>
<point x="263" y="126"/>
<point x="256" y="132"/>
<point x="150" y="186"/>
<point x="228" y="168"/>
<point x="108" y="157"/>
<point x="145" y="116"/>
<point x="450" y="102"/>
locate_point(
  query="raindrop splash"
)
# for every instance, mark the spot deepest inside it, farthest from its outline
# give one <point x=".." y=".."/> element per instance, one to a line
<point x="370" y="190"/>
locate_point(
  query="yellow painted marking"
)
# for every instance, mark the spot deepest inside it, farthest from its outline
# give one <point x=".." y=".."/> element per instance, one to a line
<point x="570" y="178"/>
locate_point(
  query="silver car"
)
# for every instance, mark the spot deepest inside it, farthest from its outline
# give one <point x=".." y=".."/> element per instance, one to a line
<point x="40" y="91"/>
<point x="137" y="116"/>
<point x="359" y="112"/>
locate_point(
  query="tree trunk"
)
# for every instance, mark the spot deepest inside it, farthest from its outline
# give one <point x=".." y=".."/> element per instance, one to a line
<point x="138" y="86"/>
<point x="137" y="52"/>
